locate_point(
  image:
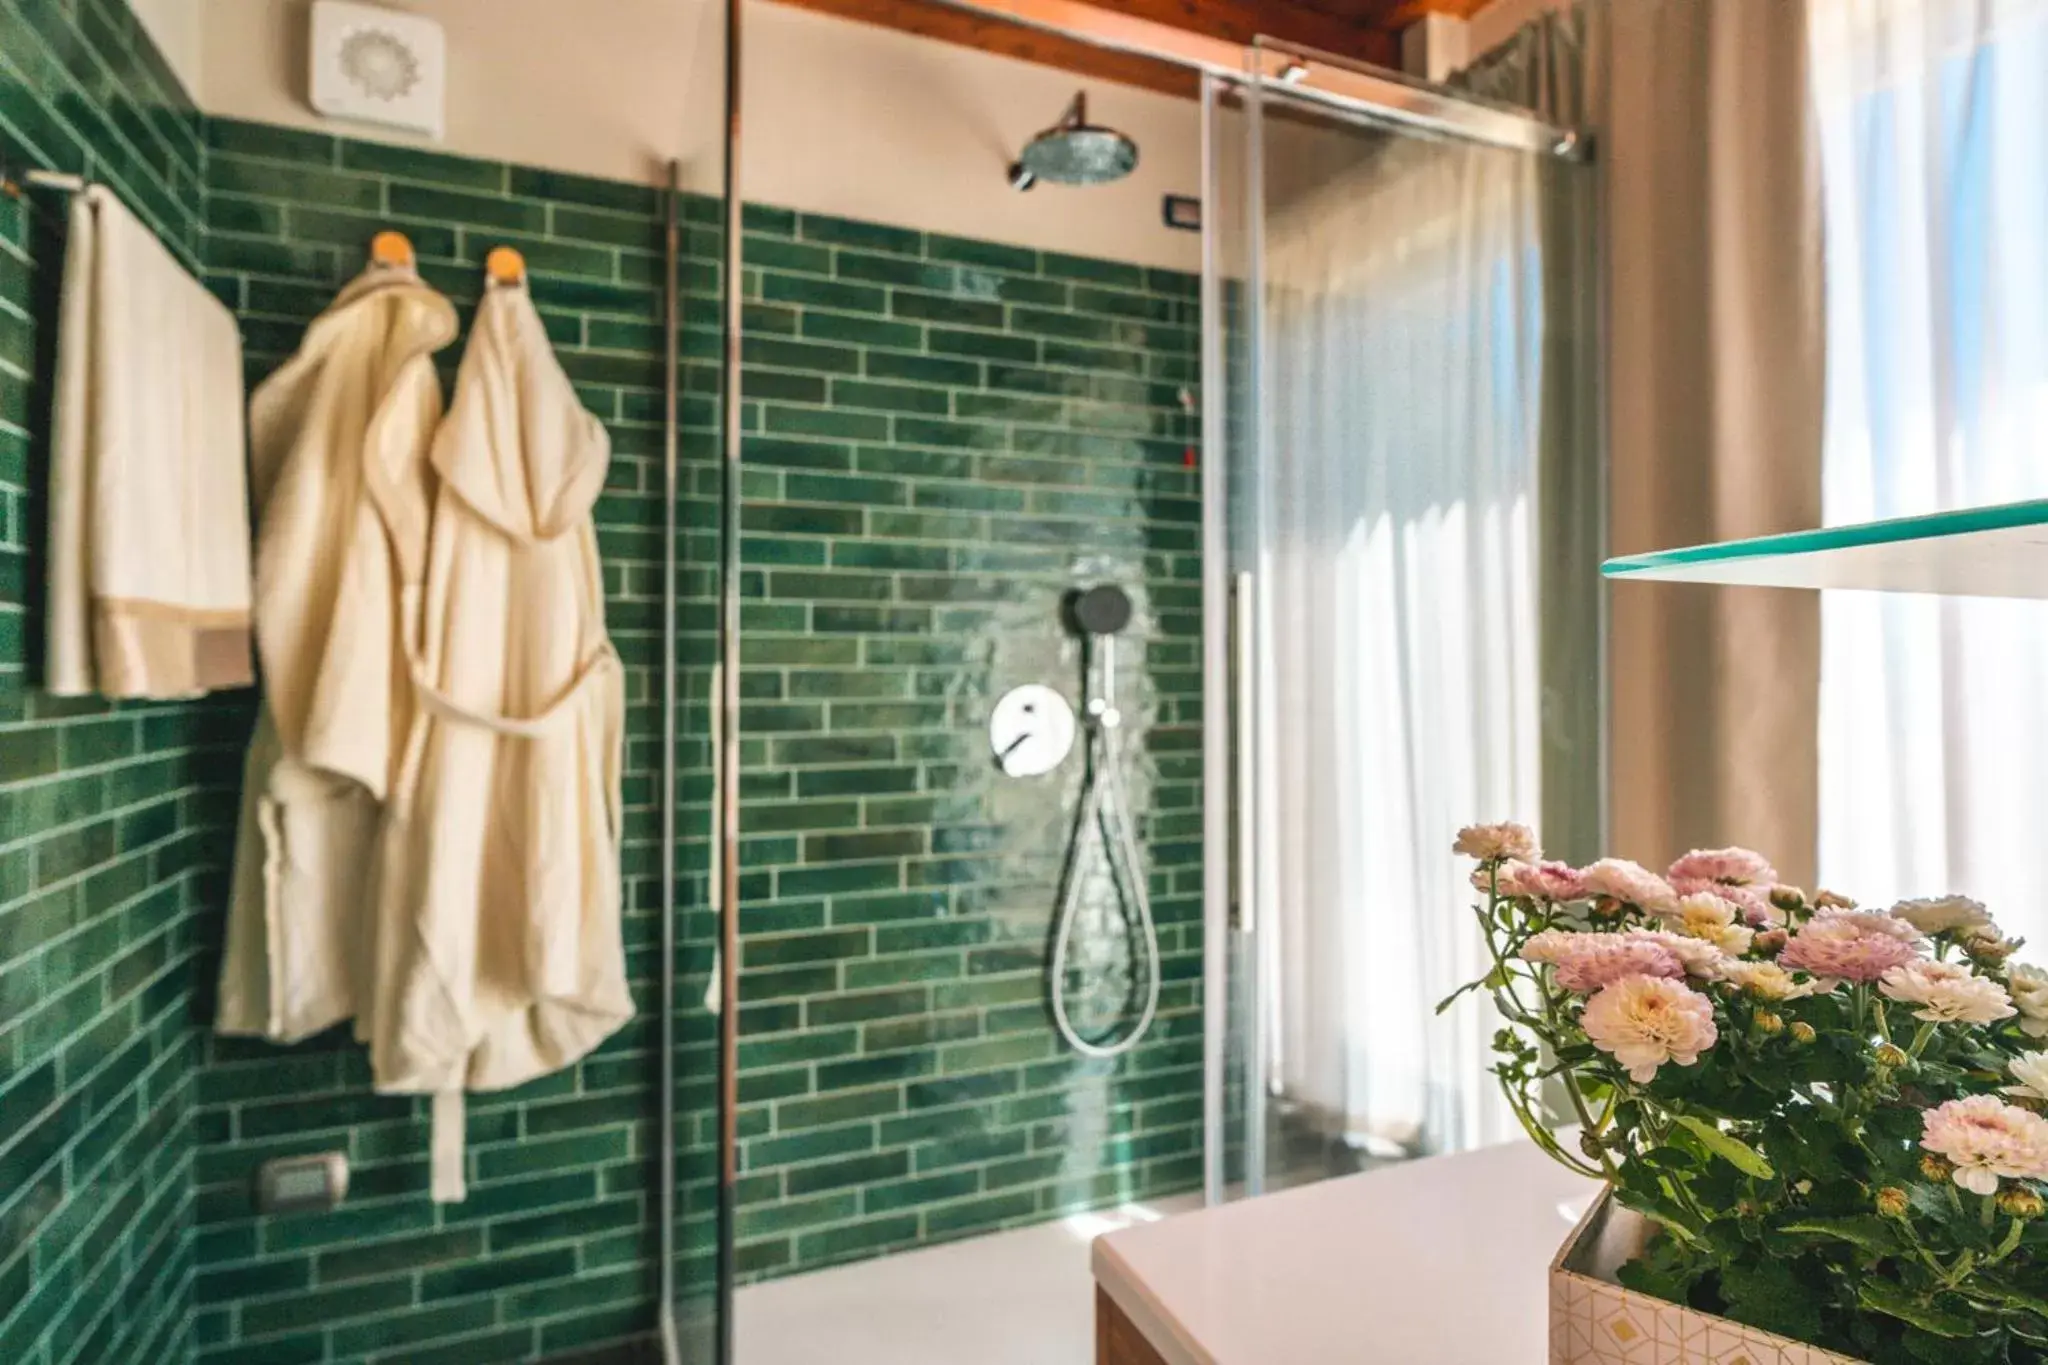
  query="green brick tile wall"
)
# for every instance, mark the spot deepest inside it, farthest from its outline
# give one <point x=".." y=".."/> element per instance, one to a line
<point x="109" y="816"/>
<point x="946" y="437"/>
<point x="553" y="1253"/>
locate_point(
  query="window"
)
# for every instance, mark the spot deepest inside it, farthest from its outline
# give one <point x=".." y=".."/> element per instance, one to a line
<point x="1934" y="711"/>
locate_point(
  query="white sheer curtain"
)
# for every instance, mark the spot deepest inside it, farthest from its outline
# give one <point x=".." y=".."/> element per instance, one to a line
<point x="1934" y="711"/>
<point x="1398" y="568"/>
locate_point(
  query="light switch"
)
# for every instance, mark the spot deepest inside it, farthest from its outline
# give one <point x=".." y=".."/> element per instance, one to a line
<point x="302" y="1184"/>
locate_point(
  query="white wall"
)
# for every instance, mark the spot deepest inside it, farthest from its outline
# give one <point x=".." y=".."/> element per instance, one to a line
<point x="838" y="117"/>
<point x="177" y="27"/>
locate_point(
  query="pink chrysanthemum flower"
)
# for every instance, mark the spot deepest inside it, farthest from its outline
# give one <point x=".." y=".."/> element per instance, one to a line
<point x="1490" y="842"/>
<point x="1713" y="917"/>
<point x="1596" y="961"/>
<point x="2029" y="989"/>
<point x="1547" y="881"/>
<point x="1943" y="914"/>
<point x="1987" y="1140"/>
<point x="1699" y="957"/>
<point x="2030" y="1070"/>
<point x="1728" y="866"/>
<point x="1551" y="946"/>
<point x="1947" y="993"/>
<point x="1646" y="1021"/>
<point x="1753" y="901"/>
<point x="1852" y="945"/>
<point x="1631" y="883"/>
<point x="1769" y="981"/>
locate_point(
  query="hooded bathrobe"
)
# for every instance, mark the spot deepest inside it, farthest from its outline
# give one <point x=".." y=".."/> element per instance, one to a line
<point x="339" y="443"/>
<point x="499" y="950"/>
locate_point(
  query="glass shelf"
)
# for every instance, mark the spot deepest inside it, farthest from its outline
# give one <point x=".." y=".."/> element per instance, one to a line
<point x="1997" y="551"/>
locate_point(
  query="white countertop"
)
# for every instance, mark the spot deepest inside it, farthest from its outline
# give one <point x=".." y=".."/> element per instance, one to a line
<point x="1444" y="1261"/>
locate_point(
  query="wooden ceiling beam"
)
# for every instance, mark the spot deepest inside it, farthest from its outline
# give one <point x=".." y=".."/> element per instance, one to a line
<point x="1395" y="15"/>
<point x="1240" y="21"/>
<point x="1219" y="21"/>
<point x="1005" y="39"/>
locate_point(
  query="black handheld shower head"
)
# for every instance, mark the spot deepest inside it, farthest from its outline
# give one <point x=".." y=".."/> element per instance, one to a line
<point x="1103" y="609"/>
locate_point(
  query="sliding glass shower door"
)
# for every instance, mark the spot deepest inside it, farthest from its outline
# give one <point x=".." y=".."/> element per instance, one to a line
<point x="1405" y="528"/>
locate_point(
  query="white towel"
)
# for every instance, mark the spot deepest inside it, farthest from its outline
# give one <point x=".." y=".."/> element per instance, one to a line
<point x="149" y="505"/>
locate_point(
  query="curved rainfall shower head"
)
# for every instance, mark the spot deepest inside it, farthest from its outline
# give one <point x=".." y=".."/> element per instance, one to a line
<point x="1075" y="152"/>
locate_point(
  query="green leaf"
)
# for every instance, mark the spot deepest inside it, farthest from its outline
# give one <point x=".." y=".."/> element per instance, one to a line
<point x="1882" y="1296"/>
<point x="1732" y="1150"/>
<point x="1929" y="1349"/>
<point x="1868" y="1232"/>
<point x="1766" y="1293"/>
<point x="1674" y="1159"/>
<point x="1453" y="997"/>
<point x="1668" y="1283"/>
<point x="1985" y="1287"/>
<point x="1657" y="1207"/>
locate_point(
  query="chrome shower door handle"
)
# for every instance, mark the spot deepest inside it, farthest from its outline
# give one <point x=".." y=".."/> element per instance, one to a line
<point x="1244" y="842"/>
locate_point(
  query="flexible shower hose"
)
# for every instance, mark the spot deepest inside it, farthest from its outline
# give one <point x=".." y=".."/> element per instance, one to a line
<point x="1105" y="817"/>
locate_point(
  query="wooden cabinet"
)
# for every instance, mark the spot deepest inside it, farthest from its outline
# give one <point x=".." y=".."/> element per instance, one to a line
<point x="1117" y="1342"/>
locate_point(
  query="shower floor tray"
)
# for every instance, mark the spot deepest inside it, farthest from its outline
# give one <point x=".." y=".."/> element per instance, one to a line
<point x="1023" y="1297"/>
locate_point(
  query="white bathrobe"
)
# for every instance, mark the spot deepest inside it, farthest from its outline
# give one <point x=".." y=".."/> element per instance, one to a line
<point x="340" y="439"/>
<point x="149" y="508"/>
<point x="499" y="948"/>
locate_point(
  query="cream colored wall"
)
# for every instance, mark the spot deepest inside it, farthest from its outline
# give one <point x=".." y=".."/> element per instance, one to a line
<point x="177" y="27"/>
<point x="838" y="117"/>
<point x="1496" y="23"/>
<point x="848" y="118"/>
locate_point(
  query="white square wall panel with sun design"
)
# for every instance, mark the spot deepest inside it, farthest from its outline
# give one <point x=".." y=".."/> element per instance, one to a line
<point x="379" y="66"/>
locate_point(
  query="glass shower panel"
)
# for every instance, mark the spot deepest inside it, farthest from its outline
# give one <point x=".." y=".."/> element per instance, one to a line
<point x="1413" y="531"/>
<point x="1227" y="414"/>
<point x="969" y="408"/>
<point x="693" y="1288"/>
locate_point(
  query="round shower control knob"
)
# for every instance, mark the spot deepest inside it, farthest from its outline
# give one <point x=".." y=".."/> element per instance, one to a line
<point x="1031" y="730"/>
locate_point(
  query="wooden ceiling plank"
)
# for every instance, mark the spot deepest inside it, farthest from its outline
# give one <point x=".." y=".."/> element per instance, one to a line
<point x="1018" y="41"/>
<point x="1240" y="21"/>
<point x="1222" y="23"/>
<point x="1395" y="15"/>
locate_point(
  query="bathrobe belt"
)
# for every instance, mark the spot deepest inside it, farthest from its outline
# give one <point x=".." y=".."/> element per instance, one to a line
<point x="601" y="660"/>
<point x="449" y="1112"/>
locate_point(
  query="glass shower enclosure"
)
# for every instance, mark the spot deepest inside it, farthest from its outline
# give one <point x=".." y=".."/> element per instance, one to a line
<point x="1400" y="479"/>
<point x="1403" y="522"/>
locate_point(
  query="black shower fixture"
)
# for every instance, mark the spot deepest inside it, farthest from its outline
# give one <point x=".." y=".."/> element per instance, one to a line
<point x="1102" y="610"/>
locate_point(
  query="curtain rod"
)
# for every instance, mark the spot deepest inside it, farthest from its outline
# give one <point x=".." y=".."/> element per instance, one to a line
<point x="1291" y="69"/>
<point x="13" y="185"/>
<point x="59" y="180"/>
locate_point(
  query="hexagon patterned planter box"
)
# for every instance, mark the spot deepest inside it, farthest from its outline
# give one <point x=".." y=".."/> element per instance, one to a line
<point x="1594" y="1321"/>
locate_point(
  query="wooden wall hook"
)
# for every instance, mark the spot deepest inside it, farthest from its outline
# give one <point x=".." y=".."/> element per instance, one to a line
<point x="505" y="266"/>
<point x="390" y="248"/>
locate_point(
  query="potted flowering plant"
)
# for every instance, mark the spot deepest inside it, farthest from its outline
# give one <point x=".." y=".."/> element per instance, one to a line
<point x="1832" y="1116"/>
